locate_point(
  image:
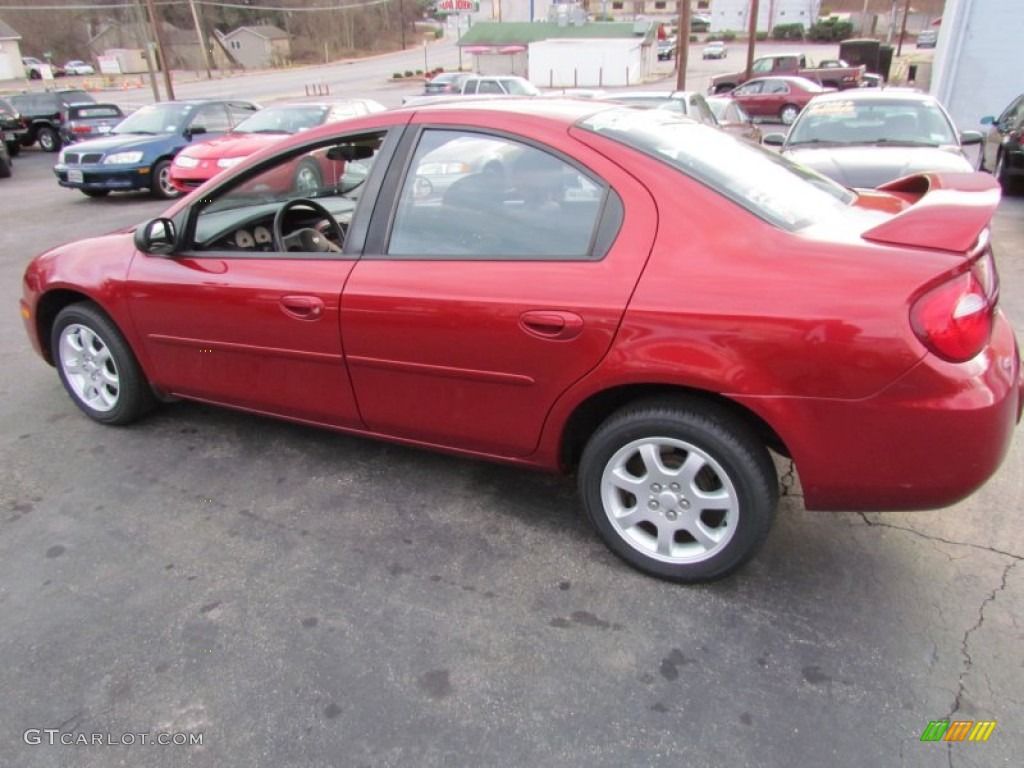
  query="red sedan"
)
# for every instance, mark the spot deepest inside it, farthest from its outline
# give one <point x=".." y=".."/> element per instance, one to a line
<point x="199" y="162"/>
<point x="626" y="295"/>
<point x="778" y="98"/>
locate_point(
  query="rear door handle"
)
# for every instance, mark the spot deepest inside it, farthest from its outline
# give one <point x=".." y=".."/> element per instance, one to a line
<point x="551" y="324"/>
<point x="303" y="307"/>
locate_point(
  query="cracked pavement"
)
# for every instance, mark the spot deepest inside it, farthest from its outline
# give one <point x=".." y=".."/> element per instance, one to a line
<point x="306" y="599"/>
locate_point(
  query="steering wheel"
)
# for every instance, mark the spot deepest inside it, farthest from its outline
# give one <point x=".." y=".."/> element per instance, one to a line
<point x="305" y="239"/>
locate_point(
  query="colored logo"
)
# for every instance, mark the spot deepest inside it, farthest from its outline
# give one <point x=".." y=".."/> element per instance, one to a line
<point x="958" y="730"/>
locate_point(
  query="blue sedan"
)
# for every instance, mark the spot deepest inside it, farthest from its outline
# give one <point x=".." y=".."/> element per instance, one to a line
<point x="137" y="153"/>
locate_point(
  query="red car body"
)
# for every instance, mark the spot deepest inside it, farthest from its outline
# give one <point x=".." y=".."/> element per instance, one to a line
<point x="830" y="343"/>
<point x="779" y="98"/>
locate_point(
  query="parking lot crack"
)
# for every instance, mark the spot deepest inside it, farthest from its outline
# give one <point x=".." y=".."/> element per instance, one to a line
<point x="878" y="524"/>
<point x="965" y="646"/>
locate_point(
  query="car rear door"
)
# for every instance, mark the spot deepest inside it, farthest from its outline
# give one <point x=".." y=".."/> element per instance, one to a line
<point x="477" y="303"/>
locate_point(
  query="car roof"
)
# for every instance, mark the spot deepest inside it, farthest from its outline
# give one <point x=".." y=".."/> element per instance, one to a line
<point x="876" y="94"/>
<point x="555" y="108"/>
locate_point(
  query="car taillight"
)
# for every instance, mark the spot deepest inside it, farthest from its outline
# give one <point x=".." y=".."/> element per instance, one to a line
<point x="954" y="319"/>
<point x="81" y="129"/>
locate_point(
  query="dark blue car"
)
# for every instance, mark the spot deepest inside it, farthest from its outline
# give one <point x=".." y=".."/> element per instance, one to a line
<point x="137" y="153"/>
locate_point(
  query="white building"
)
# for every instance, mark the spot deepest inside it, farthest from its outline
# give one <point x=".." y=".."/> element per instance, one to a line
<point x="735" y="14"/>
<point x="978" y="59"/>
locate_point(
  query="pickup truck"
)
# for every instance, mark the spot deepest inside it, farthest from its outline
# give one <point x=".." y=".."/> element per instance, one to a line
<point x="792" y="64"/>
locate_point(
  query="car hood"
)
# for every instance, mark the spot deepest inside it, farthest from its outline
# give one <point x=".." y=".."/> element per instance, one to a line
<point x="233" y="145"/>
<point x="125" y="141"/>
<point x="870" y="166"/>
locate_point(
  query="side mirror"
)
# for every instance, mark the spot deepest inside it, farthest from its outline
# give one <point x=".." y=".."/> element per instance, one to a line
<point x="195" y="130"/>
<point x="156" y="236"/>
<point x="988" y="120"/>
<point x="971" y="137"/>
<point x="774" y="139"/>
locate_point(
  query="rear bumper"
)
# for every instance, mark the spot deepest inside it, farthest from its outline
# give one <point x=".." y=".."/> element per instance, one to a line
<point x="929" y="440"/>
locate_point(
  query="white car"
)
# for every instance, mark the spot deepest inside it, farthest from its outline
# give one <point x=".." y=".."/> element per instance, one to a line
<point x="78" y="67"/>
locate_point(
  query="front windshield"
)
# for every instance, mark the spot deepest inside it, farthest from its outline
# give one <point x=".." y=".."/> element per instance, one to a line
<point x="767" y="184"/>
<point x="155" y="118"/>
<point x="283" y="119"/>
<point x="902" y="122"/>
<point x="522" y="88"/>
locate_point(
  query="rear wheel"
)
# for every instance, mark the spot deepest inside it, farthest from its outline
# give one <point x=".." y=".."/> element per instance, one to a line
<point x="5" y="166"/>
<point x="680" y="489"/>
<point x="1002" y="174"/>
<point x="788" y="113"/>
<point x="97" y="367"/>
<point x="14" y="148"/>
<point x="48" y="139"/>
<point x="162" y="187"/>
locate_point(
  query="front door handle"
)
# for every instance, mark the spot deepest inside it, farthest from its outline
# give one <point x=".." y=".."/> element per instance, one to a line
<point x="551" y="324"/>
<point x="303" y="307"/>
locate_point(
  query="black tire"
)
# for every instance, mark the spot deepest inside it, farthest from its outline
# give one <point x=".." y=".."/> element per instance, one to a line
<point x="788" y="113"/>
<point x="49" y="139"/>
<point x="5" y="167"/>
<point x="95" y="192"/>
<point x="1003" y="176"/>
<point x="97" y="367"/>
<point x="702" y="450"/>
<point x="308" y="179"/>
<point x="161" y="186"/>
<point x="35" y="74"/>
<point x="14" y="148"/>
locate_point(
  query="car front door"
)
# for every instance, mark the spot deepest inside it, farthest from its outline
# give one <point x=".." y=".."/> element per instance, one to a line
<point x="752" y="97"/>
<point x="1010" y="119"/>
<point x="496" y="280"/>
<point x="235" y="319"/>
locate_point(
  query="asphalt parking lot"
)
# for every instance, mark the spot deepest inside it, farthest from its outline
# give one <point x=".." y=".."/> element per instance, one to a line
<point x="295" y="597"/>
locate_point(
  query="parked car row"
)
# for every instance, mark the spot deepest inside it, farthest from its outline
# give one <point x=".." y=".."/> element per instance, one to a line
<point x="34" y="68"/>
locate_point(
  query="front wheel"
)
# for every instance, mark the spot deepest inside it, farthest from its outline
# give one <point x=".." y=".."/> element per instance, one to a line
<point x="788" y="113"/>
<point x="97" y="367"/>
<point x="162" y="186"/>
<point x="679" y="489"/>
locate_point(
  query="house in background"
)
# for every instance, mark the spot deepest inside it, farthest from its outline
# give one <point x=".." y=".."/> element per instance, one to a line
<point x="182" y="49"/>
<point x="10" y="54"/>
<point x="258" y="47"/>
<point x="735" y="14"/>
<point x="566" y="53"/>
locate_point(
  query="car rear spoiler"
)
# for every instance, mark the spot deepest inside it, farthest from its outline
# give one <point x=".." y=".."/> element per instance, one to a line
<point x="948" y="211"/>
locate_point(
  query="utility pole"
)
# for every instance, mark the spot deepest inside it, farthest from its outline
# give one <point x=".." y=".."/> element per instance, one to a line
<point x="750" y="43"/>
<point x="864" y="20"/>
<point x="683" y="43"/>
<point x="202" y="41"/>
<point x="401" y="20"/>
<point x="903" y="28"/>
<point x="161" y="50"/>
<point x="149" y="51"/>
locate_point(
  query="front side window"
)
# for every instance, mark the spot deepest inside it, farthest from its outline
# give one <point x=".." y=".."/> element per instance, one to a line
<point x="301" y="203"/>
<point x="473" y="195"/>
<point x="213" y="118"/>
<point x="765" y="183"/>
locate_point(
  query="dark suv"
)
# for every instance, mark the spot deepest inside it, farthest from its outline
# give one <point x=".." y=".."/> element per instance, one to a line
<point x="12" y="127"/>
<point x="43" y="111"/>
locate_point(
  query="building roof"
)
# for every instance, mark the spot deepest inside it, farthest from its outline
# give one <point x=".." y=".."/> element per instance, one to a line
<point x="268" y="31"/>
<point x="7" y="32"/>
<point x="525" y="32"/>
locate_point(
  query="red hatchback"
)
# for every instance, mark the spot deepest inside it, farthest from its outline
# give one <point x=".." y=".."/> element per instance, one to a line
<point x="198" y="163"/>
<point x="623" y="294"/>
<point x="777" y="98"/>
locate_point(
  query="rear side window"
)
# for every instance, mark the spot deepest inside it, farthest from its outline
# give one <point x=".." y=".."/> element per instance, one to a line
<point x="86" y="113"/>
<point x="480" y="196"/>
